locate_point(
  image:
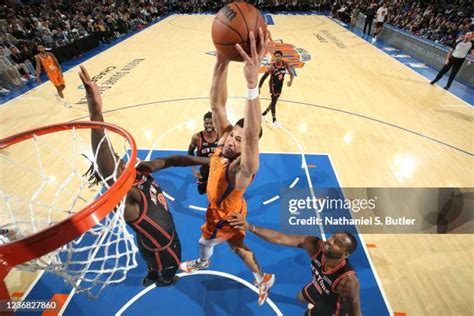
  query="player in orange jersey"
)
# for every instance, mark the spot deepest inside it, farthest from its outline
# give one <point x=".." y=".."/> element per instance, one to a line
<point x="233" y="167"/>
<point x="53" y="70"/>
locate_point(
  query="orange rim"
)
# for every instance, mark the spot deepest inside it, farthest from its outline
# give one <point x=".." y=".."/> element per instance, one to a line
<point x="53" y="237"/>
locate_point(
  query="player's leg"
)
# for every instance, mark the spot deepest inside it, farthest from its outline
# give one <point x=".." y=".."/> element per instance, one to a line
<point x="170" y="259"/>
<point x="267" y="109"/>
<point x="273" y="106"/>
<point x="443" y="70"/>
<point x="264" y="280"/>
<point x="206" y="249"/>
<point x="152" y="265"/>
<point x="60" y="89"/>
<point x="457" y="63"/>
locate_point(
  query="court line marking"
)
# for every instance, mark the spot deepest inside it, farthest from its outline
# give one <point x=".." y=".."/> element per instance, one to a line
<point x="32" y="285"/>
<point x="369" y="259"/>
<point x="80" y="61"/>
<point x="202" y="272"/>
<point x="292" y="185"/>
<point x="168" y="196"/>
<point x="383" y="51"/>
<point x="367" y="254"/>
<point x="276" y="197"/>
<point x="304" y="166"/>
<point x="198" y="208"/>
<point x="301" y="103"/>
<point x="162" y="136"/>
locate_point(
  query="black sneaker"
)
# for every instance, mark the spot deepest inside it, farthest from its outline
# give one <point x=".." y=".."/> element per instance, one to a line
<point x="151" y="278"/>
<point x="162" y="283"/>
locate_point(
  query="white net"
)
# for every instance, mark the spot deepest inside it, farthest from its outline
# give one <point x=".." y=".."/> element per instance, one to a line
<point x="44" y="181"/>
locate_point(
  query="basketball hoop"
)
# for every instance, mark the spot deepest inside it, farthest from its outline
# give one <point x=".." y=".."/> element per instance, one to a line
<point x="88" y="245"/>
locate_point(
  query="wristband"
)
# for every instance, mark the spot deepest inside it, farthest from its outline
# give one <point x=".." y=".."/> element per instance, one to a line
<point x="252" y="94"/>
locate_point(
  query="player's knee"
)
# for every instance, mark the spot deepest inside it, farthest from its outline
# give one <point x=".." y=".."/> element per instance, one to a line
<point x="203" y="242"/>
<point x="240" y="251"/>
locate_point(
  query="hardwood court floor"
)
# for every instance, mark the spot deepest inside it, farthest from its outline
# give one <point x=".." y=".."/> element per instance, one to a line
<point x="382" y="124"/>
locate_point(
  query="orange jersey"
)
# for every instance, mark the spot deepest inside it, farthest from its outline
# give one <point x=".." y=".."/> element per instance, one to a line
<point x="224" y="200"/>
<point x="52" y="70"/>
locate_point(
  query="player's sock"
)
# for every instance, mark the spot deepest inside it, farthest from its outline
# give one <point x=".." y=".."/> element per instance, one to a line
<point x="202" y="262"/>
<point x="258" y="276"/>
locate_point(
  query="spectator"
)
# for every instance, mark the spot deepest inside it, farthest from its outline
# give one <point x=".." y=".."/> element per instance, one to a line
<point x="9" y="75"/>
<point x="455" y="58"/>
<point x="369" y="18"/>
<point x="354" y="16"/>
<point x="25" y="67"/>
<point x="380" y="19"/>
<point x="441" y="22"/>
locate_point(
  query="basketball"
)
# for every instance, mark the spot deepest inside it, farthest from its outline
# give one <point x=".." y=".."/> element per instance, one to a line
<point x="232" y="25"/>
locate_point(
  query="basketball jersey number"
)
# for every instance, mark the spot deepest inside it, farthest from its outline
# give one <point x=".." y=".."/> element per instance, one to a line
<point x="162" y="200"/>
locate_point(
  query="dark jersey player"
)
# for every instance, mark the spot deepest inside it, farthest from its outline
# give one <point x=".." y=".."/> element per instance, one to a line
<point x="205" y="143"/>
<point x="146" y="209"/>
<point x="334" y="289"/>
<point x="276" y="71"/>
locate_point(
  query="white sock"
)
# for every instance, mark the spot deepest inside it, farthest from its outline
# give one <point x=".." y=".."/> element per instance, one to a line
<point x="205" y="250"/>
<point x="258" y="276"/>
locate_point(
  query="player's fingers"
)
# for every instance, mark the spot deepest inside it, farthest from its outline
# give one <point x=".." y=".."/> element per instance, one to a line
<point x="263" y="39"/>
<point x="253" y="45"/>
<point x="243" y="53"/>
<point x="82" y="78"/>
<point x="86" y="74"/>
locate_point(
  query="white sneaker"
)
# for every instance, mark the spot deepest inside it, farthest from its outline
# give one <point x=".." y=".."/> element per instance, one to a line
<point x="374" y="39"/>
<point x="277" y="124"/>
<point x="264" y="118"/>
<point x="3" y="90"/>
<point x="193" y="265"/>
<point x="264" y="287"/>
<point x="23" y="79"/>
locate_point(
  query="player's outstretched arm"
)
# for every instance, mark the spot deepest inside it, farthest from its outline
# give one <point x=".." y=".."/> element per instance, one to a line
<point x="289" y="70"/>
<point x="349" y="288"/>
<point x="38" y="68"/>
<point x="252" y="112"/>
<point x="309" y="243"/>
<point x="172" y="161"/>
<point x="262" y="80"/>
<point x="219" y="95"/>
<point x="102" y="150"/>
<point x="192" y="146"/>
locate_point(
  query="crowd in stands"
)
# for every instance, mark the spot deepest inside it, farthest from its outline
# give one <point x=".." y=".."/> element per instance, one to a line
<point x="437" y="20"/>
<point x="70" y="28"/>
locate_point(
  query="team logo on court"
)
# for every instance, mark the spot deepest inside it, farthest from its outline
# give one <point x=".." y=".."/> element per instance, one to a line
<point x="296" y="57"/>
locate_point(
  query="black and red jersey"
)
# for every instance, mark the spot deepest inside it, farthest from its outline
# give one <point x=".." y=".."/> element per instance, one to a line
<point x="277" y="74"/>
<point x="206" y="147"/>
<point x="321" y="290"/>
<point x="154" y="227"/>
